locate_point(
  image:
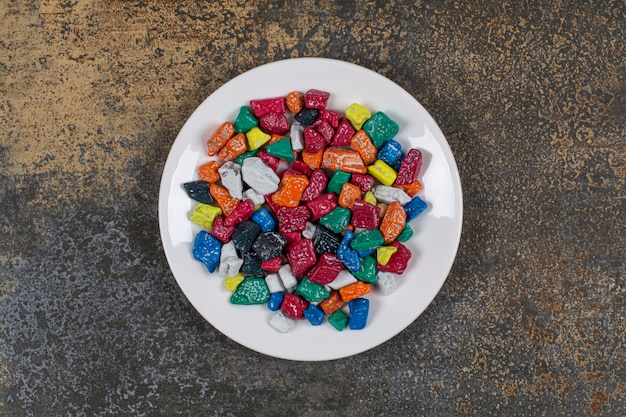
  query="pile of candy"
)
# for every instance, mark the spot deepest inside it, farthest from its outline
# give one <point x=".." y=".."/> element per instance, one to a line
<point x="312" y="209"/>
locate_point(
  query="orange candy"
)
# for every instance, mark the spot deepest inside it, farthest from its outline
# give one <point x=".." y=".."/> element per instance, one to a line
<point x="290" y="190"/>
<point x="411" y="189"/>
<point x="343" y="159"/>
<point x="349" y="193"/>
<point x="393" y="222"/>
<point x="223" y="198"/>
<point x="295" y="101"/>
<point x="362" y="143"/>
<point x="219" y="138"/>
<point x="355" y="290"/>
<point x="234" y="147"/>
<point x="313" y="160"/>
<point x="331" y="304"/>
<point x="208" y="172"/>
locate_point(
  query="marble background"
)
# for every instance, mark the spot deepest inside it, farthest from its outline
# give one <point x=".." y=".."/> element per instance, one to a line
<point x="532" y="99"/>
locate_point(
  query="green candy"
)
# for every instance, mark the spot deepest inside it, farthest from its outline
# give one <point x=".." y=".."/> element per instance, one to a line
<point x="311" y="291"/>
<point x="338" y="319"/>
<point x="367" y="240"/>
<point x="380" y="128"/>
<point x="406" y="234"/>
<point x="246" y="155"/>
<point x="281" y="149"/>
<point x="251" y="291"/>
<point x="245" y="120"/>
<point x="337" y="181"/>
<point x="337" y="220"/>
<point x="367" y="270"/>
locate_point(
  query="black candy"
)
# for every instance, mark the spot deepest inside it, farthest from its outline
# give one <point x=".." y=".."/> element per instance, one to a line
<point x="269" y="245"/>
<point x="325" y="241"/>
<point x="306" y="116"/>
<point x="252" y="264"/>
<point x="244" y="235"/>
<point x="199" y="191"/>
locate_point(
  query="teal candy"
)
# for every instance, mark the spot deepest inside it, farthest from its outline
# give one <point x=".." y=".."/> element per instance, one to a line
<point x="251" y="291"/>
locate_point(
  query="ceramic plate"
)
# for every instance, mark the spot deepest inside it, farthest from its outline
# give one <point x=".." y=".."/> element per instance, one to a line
<point x="437" y="230"/>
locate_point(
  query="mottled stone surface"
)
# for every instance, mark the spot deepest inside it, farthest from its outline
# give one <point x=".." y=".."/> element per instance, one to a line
<point x="532" y="98"/>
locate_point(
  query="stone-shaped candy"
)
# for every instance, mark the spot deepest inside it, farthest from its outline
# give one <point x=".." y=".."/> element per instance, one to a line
<point x="259" y="176"/>
<point x="269" y="245"/>
<point x="325" y="241"/>
<point x="359" y="310"/>
<point x="244" y="235"/>
<point x="199" y="191"/>
<point x="252" y="290"/>
<point x="207" y="250"/>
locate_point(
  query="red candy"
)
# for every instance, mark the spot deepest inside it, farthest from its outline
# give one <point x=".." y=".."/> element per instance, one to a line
<point x="410" y="167"/>
<point x="269" y="105"/>
<point x="324" y="128"/>
<point x="292" y="219"/>
<point x="269" y="160"/>
<point x="364" y="181"/>
<point x="316" y="99"/>
<point x="399" y="260"/>
<point x="343" y="134"/>
<point x="322" y="205"/>
<point x="317" y="184"/>
<point x="365" y="215"/>
<point x="273" y="265"/>
<point x="330" y="116"/>
<point x="301" y="257"/>
<point x="221" y="231"/>
<point x="326" y="269"/>
<point x="313" y="140"/>
<point x="293" y="306"/>
<point x="241" y="213"/>
<point x="274" y="123"/>
<point x="302" y="168"/>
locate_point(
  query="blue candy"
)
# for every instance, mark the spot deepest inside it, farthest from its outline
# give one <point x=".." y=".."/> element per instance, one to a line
<point x="263" y="218"/>
<point x="275" y="300"/>
<point x="391" y="154"/>
<point x="414" y="207"/>
<point x="359" y="309"/>
<point x="364" y="253"/>
<point x="314" y="314"/>
<point x="346" y="254"/>
<point x="207" y="250"/>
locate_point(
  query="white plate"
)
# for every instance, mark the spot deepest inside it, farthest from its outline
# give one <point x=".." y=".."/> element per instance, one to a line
<point x="437" y="230"/>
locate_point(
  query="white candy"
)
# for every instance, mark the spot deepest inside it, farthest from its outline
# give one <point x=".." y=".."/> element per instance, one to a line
<point x="274" y="284"/>
<point x="230" y="173"/>
<point x="309" y="231"/>
<point x="344" y="278"/>
<point x="386" y="194"/>
<point x="259" y="176"/>
<point x="286" y="276"/>
<point x="386" y="282"/>
<point x="281" y="322"/>
<point x="256" y="198"/>
<point x="230" y="263"/>
<point x="296" y="135"/>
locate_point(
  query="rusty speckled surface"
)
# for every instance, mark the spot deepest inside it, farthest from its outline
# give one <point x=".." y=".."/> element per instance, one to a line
<point x="532" y="99"/>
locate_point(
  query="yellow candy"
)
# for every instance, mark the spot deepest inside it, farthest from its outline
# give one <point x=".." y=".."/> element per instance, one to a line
<point x="382" y="172"/>
<point x="369" y="198"/>
<point x="233" y="282"/>
<point x="383" y="254"/>
<point x="357" y="115"/>
<point x="204" y="215"/>
<point x="256" y="138"/>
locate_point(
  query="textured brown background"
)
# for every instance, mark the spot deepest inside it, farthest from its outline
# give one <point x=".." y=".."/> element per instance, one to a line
<point x="532" y="99"/>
